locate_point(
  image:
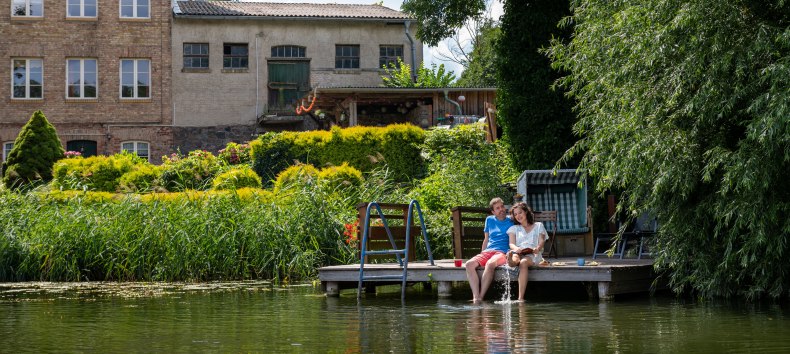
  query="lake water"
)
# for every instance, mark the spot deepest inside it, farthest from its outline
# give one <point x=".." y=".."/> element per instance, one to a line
<point x="259" y="317"/>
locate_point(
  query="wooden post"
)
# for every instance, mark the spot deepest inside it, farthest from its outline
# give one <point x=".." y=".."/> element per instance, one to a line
<point x="603" y="292"/>
<point x="458" y="228"/>
<point x="611" y="205"/>
<point x="332" y="289"/>
<point x="445" y="288"/>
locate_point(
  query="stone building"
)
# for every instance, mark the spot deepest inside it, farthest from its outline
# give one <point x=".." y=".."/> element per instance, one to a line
<point x="99" y="70"/>
<point x="242" y="68"/>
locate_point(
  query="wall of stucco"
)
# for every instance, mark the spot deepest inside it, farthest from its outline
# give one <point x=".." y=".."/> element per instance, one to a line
<point x="218" y="97"/>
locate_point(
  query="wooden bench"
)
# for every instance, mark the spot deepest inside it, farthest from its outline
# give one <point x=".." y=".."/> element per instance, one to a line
<point x="468" y="223"/>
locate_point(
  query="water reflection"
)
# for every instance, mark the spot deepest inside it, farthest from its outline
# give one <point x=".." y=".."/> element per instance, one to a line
<point x="262" y="317"/>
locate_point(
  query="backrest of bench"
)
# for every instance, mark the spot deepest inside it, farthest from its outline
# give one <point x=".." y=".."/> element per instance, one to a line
<point x="468" y="224"/>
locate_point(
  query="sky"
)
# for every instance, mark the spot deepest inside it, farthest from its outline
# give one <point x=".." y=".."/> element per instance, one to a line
<point x="429" y="53"/>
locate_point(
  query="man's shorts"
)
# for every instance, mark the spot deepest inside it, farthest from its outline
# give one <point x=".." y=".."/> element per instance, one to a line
<point x="484" y="257"/>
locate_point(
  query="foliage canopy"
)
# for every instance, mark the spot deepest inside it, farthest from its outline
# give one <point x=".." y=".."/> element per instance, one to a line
<point x="439" y="19"/>
<point x="684" y="106"/>
<point x="536" y="120"/>
<point x="400" y="76"/>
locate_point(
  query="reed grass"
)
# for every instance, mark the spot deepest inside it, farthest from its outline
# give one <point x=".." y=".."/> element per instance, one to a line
<point x="193" y="236"/>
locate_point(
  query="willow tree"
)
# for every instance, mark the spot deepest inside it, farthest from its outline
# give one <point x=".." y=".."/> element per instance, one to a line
<point x="685" y="106"/>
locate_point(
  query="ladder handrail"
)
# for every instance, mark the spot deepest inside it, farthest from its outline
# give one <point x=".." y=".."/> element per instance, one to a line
<point x="404" y="262"/>
<point x="412" y="204"/>
<point x="367" y="230"/>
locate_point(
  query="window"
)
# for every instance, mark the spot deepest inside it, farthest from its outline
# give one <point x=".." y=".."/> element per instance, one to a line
<point x="134" y="9"/>
<point x="195" y="55"/>
<point x="136" y="147"/>
<point x="7" y="149"/>
<point x="234" y="56"/>
<point x="29" y="8"/>
<point x="81" y="78"/>
<point x="347" y="56"/>
<point x="28" y="78"/>
<point x="288" y="51"/>
<point x="389" y="55"/>
<point x="81" y="8"/>
<point x="135" y="78"/>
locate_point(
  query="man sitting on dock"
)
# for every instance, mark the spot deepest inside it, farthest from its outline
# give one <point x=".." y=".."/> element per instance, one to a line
<point x="495" y="245"/>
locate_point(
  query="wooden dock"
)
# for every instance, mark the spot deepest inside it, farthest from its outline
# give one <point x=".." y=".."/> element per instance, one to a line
<point x="613" y="276"/>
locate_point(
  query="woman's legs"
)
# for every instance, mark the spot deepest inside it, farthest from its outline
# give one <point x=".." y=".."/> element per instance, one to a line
<point x="523" y="276"/>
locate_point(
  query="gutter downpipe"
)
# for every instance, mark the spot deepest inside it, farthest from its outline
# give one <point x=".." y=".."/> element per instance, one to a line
<point x="257" y="74"/>
<point x="413" y="55"/>
<point x="457" y="105"/>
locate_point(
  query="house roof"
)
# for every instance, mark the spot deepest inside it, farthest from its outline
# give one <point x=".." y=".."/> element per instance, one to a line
<point x="285" y="10"/>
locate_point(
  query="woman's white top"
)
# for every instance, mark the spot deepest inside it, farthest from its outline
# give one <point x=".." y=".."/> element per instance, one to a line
<point x="529" y="239"/>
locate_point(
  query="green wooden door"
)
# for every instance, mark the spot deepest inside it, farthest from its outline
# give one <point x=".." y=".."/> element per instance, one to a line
<point x="289" y="81"/>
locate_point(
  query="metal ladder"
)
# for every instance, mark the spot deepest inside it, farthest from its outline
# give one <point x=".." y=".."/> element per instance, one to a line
<point x="401" y="254"/>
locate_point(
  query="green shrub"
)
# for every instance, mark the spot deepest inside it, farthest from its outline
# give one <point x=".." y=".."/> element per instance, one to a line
<point x="95" y="173"/>
<point x="237" y="177"/>
<point x="358" y="146"/>
<point x="35" y="151"/>
<point x="295" y="175"/>
<point x="271" y="154"/>
<point x="142" y="178"/>
<point x="337" y="176"/>
<point x="195" y="171"/>
<point x="235" y="154"/>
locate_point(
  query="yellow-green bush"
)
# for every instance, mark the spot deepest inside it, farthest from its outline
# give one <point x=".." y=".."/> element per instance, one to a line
<point x="337" y="176"/>
<point x="398" y="144"/>
<point x="237" y="177"/>
<point x="142" y="178"/>
<point x="95" y="173"/>
<point x="296" y="174"/>
<point x="194" y="171"/>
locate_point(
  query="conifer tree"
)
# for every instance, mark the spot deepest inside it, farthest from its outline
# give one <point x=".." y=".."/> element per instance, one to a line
<point x="35" y="151"/>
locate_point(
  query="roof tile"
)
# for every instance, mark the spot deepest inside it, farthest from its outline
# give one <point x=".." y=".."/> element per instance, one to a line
<point x="271" y="9"/>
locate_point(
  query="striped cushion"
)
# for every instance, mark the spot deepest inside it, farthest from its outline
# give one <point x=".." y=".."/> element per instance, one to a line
<point x="565" y="204"/>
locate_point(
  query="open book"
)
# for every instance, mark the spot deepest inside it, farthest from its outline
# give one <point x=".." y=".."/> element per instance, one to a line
<point x="526" y="251"/>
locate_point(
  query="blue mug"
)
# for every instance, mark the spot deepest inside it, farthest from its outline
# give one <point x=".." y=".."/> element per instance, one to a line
<point x="580" y="262"/>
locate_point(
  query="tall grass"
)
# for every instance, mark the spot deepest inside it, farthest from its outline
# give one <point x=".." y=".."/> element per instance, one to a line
<point x="194" y="236"/>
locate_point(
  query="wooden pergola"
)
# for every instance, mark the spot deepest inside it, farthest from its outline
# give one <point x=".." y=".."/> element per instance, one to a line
<point x="425" y="107"/>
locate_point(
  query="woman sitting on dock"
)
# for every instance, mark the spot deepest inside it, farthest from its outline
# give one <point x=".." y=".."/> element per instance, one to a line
<point x="527" y="238"/>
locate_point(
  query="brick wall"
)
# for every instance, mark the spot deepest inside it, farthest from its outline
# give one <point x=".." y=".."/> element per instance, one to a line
<point x="108" y="119"/>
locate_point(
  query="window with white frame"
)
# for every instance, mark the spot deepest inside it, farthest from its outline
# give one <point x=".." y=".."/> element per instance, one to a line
<point x="81" y="8"/>
<point x="27" y="8"/>
<point x="27" y="78"/>
<point x="135" y="9"/>
<point x="347" y="56"/>
<point x="136" y="147"/>
<point x="81" y="78"/>
<point x="135" y="78"/>
<point x="7" y="146"/>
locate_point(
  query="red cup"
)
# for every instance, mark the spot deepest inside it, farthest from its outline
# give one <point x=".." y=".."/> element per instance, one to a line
<point x="458" y="262"/>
